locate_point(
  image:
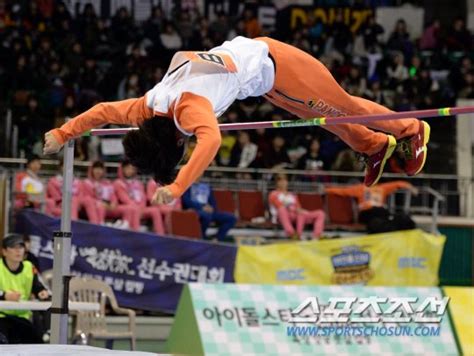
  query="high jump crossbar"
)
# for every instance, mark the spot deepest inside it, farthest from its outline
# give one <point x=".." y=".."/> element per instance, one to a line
<point x="318" y="121"/>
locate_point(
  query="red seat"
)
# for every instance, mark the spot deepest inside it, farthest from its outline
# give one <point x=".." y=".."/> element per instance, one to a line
<point x="185" y="223"/>
<point x="20" y="197"/>
<point x="340" y="209"/>
<point x="250" y="205"/>
<point x="225" y="200"/>
<point x="311" y="201"/>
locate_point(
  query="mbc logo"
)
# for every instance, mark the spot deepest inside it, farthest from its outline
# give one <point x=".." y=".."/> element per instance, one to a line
<point x="412" y="262"/>
<point x="291" y="275"/>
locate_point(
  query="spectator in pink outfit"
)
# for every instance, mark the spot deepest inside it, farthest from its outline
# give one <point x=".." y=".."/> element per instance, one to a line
<point x="54" y="191"/>
<point x="131" y="191"/>
<point x="286" y="207"/>
<point x="102" y="191"/>
<point x="29" y="188"/>
<point x="165" y="209"/>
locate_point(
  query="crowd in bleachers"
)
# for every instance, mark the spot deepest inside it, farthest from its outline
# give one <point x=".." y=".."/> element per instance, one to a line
<point x="126" y="200"/>
<point x="127" y="203"/>
<point x="55" y="65"/>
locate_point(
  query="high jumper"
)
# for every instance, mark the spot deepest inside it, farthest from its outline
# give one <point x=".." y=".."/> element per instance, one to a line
<point x="199" y="86"/>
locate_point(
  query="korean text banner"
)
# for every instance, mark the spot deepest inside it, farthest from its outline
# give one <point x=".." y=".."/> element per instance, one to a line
<point x="146" y="271"/>
<point x="244" y="319"/>
<point x="408" y="258"/>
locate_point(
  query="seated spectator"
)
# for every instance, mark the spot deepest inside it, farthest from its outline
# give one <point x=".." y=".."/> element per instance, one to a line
<point x="252" y="26"/>
<point x="355" y="83"/>
<point x="430" y="39"/>
<point x="227" y="145"/>
<point x="18" y="282"/>
<point x="467" y="92"/>
<point x="243" y="154"/>
<point x="286" y="208"/>
<point x="459" y="38"/>
<point x="28" y="255"/>
<point x="54" y="192"/>
<point x="30" y="188"/>
<point x="397" y="72"/>
<point x="375" y="93"/>
<point x="102" y="191"/>
<point x="372" y="209"/>
<point x="165" y="209"/>
<point x="200" y="197"/>
<point x="220" y="27"/>
<point x="311" y="160"/>
<point x="238" y="30"/>
<point x="340" y="34"/>
<point x="457" y="75"/>
<point x="371" y="32"/>
<point x="276" y="156"/>
<point x="399" y="40"/>
<point x="131" y="192"/>
<point x="170" y="38"/>
<point x="347" y="161"/>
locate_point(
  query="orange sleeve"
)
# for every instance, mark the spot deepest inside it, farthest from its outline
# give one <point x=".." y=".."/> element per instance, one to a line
<point x="390" y="187"/>
<point x="195" y="114"/>
<point x="129" y="112"/>
<point x="350" y="191"/>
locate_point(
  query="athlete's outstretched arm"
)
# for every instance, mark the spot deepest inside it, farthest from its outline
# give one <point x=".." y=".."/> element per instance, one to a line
<point x="130" y="111"/>
<point x="195" y="115"/>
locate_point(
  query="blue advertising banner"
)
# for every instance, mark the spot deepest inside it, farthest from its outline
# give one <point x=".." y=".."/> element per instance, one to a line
<point x="146" y="271"/>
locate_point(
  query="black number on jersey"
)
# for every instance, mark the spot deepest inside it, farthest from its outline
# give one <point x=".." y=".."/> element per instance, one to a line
<point x="211" y="57"/>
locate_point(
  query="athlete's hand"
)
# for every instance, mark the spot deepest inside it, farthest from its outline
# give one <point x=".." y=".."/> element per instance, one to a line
<point x="51" y="145"/>
<point x="162" y="196"/>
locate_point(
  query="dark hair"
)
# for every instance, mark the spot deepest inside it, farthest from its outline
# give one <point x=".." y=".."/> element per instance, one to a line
<point x="125" y="162"/>
<point x="32" y="158"/>
<point x="98" y="164"/>
<point x="154" y="149"/>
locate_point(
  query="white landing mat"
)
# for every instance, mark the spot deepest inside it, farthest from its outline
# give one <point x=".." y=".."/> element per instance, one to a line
<point x="65" y="350"/>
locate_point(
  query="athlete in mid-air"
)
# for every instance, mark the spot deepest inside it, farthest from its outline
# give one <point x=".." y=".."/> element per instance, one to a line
<point x="199" y="86"/>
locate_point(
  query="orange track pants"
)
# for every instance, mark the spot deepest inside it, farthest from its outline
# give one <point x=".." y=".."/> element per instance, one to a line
<point x="306" y="88"/>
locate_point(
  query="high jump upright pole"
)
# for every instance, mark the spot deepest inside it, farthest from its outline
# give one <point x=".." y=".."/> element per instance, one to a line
<point x="62" y="254"/>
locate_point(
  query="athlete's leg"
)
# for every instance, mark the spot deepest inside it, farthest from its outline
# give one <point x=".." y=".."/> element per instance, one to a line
<point x="305" y="87"/>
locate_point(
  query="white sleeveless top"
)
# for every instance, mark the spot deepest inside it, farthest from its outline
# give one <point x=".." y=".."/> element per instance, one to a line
<point x="235" y="70"/>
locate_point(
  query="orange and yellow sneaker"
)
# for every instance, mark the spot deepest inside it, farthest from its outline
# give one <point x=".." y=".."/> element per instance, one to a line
<point x="375" y="163"/>
<point x="415" y="149"/>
